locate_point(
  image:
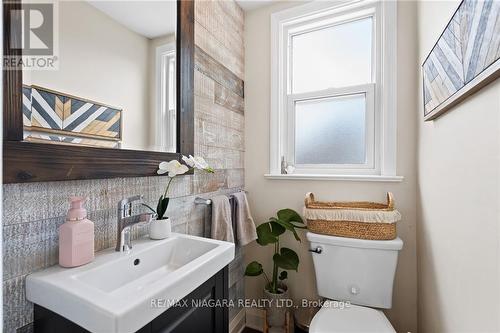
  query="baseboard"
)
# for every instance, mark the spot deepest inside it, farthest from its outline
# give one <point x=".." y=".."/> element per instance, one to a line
<point x="238" y="323"/>
<point x="255" y="319"/>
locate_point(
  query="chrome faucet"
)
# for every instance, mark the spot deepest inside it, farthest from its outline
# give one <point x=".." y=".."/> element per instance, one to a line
<point x="126" y="220"/>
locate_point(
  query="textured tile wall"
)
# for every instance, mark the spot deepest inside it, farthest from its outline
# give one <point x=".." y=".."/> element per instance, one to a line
<point x="33" y="212"/>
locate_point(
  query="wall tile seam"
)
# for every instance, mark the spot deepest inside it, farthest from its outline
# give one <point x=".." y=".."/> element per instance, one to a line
<point x="213" y="102"/>
<point x="200" y="70"/>
<point x="200" y="120"/>
<point x="235" y="39"/>
<point x="228" y="127"/>
<point x="216" y="60"/>
<point x="235" y="14"/>
<point x="228" y="46"/>
<point x="230" y="149"/>
<point x="226" y="55"/>
<point x="200" y="115"/>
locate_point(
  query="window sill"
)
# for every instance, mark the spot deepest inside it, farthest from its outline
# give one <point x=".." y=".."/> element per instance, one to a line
<point x="358" y="178"/>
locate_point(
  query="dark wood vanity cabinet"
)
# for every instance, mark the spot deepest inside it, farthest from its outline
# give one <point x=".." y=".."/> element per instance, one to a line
<point x="181" y="319"/>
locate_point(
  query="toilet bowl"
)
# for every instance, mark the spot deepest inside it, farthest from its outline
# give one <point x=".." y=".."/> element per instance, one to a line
<point x="356" y="277"/>
<point x="354" y="318"/>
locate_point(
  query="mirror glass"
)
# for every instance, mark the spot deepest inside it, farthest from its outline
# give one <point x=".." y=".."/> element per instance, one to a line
<point x="113" y="85"/>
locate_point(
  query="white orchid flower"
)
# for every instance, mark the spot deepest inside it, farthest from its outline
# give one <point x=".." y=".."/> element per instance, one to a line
<point x="173" y="168"/>
<point x="200" y="163"/>
<point x="197" y="162"/>
<point x="188" y="160"/>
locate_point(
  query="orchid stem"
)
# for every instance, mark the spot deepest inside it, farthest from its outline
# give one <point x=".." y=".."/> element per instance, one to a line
<point x="168" y="186"/>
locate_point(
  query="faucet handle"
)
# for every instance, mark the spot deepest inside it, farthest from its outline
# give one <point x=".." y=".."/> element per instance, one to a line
<point x="135" y="198"/>
<point x="123" y="202"/>
<point x="125" y="205"/>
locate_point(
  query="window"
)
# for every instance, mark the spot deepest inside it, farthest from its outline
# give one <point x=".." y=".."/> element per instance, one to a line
<point x="165" y="98"/>
<point x="333" y="89"/>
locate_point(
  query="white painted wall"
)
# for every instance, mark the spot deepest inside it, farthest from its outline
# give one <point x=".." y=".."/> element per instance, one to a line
<point x="268" y="196"/>
<point x="458" y="211"/>
<point x="110" y="67"/>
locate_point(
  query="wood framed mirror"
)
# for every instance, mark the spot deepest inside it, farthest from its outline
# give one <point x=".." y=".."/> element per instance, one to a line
<point x="36" y="160"/>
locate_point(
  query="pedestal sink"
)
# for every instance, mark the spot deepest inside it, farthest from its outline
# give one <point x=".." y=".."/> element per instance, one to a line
<point x="117" y="291"/>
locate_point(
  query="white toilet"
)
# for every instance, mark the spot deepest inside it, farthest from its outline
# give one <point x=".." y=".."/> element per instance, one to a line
<point x="357" y="271"/>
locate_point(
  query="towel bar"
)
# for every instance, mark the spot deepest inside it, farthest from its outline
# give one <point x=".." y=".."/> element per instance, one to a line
<point x="208" y="202"/>
<point x="203" y="201"/>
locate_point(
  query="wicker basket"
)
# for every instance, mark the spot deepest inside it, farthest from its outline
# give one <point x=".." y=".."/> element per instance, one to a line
<point x="378" y="229"/>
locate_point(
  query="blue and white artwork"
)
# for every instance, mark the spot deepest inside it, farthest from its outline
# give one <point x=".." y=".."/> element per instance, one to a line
<point x="465" y="57"/>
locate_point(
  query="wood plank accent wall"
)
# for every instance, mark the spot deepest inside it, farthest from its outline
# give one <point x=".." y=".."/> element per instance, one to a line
<point x="228" y="99"/>
<point x="219" y="104"/>
<point x="219" y="30"/>
<point x="217" y="72"/>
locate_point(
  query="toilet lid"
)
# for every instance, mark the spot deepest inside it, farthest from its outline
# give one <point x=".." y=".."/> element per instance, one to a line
<point x="333" y="318"/>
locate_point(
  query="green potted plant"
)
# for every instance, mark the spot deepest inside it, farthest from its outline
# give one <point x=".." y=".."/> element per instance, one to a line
<point x="284" y="259"/>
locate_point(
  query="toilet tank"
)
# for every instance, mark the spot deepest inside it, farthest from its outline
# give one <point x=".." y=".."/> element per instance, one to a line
<point x="355" y="270"/>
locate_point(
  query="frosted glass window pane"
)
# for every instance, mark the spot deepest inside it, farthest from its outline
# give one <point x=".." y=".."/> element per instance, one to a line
<point x="337" y="56"/>
<point x="331" y="130"/>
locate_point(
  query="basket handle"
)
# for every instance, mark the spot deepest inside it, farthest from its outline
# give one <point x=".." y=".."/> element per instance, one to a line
<point x="309" y="199"/>
<point x="390" y="200"/>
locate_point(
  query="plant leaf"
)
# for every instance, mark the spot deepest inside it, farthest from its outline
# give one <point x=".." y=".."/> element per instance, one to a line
<point x="158" y="207"/>
<point x="162" y="207"/>
<point x="286" y="259"/>
<point x="283" y="275"/>
<point x="254" y="269"/>
<point x="265" y="234"/>
<point x="276" y="228"/>
<point x="287" y="225"/>
<point x="289" y="215"/>
<point x="165" y="206"/>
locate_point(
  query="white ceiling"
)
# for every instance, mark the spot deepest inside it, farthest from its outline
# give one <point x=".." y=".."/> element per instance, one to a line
<point x="248" y="5"/>
<point x="147" y="18"/>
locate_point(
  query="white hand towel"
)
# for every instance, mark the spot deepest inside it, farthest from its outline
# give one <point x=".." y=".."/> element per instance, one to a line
<point x="222" y="227"/>
<point x="245" y="226"/>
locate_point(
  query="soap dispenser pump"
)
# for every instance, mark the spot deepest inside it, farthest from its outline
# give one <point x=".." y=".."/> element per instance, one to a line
<point x="76" y="236"/>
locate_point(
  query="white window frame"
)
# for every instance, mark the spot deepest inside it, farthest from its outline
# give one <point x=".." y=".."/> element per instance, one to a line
<point x="380" y="96"/>
<point x="166" y="123"/>
<point x="289" y="142"/>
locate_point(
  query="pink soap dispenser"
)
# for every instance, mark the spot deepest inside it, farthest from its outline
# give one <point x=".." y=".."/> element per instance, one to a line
<point x="76" y="236"/>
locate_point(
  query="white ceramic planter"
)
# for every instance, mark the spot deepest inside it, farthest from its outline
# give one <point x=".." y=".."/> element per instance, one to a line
<point x="160" y="229"/>
<point x="276" y="312"/>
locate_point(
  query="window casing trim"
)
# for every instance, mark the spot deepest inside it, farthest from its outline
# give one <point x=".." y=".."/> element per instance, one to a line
<point x="165" y="140"/>
<point x="384" y="13"/>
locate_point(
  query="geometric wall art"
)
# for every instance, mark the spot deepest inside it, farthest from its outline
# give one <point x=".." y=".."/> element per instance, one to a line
<point x="60" y="118"/>
<point x="465" y="58"/>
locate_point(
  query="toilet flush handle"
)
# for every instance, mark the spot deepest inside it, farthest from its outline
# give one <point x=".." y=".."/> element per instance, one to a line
<point x="317" y="250"/>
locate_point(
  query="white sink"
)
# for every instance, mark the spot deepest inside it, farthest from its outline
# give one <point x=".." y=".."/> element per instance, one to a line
<point x="116" y="291"/>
